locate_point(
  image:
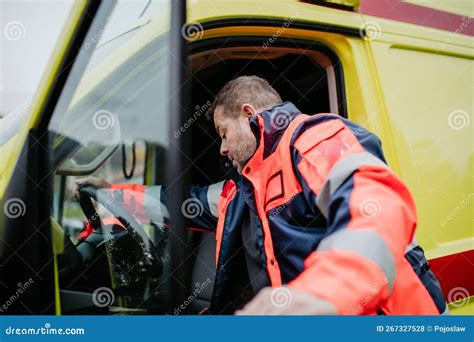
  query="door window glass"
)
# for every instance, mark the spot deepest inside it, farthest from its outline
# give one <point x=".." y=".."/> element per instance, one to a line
<point x="115" y="96"/>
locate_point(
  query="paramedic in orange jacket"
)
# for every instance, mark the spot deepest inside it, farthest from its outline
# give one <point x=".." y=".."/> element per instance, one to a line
<point x="317" y="164"/>
<point x="333" y="225"/>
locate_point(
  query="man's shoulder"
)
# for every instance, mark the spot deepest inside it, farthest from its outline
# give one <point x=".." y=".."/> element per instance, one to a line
<point x="333" y="132"/>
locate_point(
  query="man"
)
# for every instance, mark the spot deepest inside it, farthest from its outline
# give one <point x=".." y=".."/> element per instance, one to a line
<point x="316" y="209"/>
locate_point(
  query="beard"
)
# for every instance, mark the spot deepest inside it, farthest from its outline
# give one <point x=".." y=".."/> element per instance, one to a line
<point x="245" y="150"/>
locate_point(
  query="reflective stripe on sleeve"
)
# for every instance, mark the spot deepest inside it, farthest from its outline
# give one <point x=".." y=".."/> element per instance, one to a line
<point x="339" y="173"/>
<point x="213" y="195"/>
<point x="366" y="243"/>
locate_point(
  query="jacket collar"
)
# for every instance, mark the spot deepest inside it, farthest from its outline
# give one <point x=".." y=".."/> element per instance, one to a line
<point x="269" y="126"/>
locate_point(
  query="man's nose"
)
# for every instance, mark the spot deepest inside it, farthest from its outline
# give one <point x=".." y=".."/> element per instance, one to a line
<point x="224" y="150"/>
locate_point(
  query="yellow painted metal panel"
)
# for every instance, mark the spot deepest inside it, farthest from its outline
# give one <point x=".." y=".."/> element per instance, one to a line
<point x="462" y="307"/>
<point x="199" y="11"/>
<point x="430" y="102"/>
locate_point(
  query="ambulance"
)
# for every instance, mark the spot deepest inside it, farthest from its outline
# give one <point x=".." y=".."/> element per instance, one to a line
<point x="123" y="99"/>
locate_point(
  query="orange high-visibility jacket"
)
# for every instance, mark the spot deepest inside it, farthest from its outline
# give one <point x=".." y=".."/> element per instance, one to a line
<point x="334" y="220"/>
<point x="318" y="163"/>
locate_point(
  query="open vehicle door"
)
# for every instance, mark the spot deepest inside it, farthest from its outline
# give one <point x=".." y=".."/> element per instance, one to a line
<point x="116" y="78"/>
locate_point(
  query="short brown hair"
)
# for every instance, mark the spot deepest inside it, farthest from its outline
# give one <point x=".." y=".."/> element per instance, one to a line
<point x="252" y="89"/>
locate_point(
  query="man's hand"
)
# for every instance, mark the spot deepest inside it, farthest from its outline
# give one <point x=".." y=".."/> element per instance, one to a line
<point x="89" y="181"/>
<point x="286" y="301"/>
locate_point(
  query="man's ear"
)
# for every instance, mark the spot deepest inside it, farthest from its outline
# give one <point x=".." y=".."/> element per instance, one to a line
<point x="248" y="110"/>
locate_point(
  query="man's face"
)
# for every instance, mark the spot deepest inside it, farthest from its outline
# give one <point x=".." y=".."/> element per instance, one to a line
<point x="238" y="143"/>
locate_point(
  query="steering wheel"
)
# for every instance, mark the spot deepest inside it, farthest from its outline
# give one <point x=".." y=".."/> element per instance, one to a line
<point x="115" y="208"/>
<point x="130" y="224"/>
<point x="132" y="244"/>
<point x="88" y="208"/>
